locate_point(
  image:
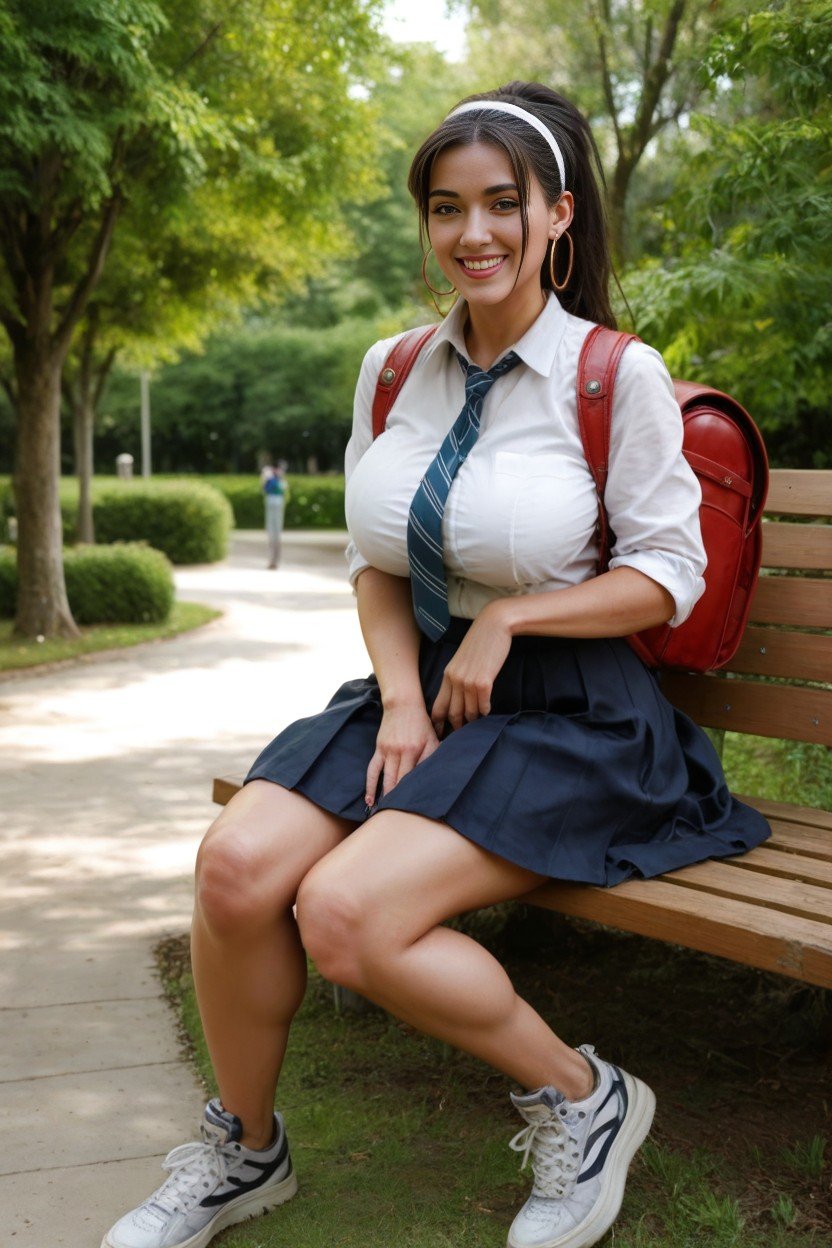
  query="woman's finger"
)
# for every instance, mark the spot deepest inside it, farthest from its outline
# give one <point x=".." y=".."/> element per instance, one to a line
<point x="391" y="773"/>
<point x="373" y="776"/>
<point x="456" y="709"/>
<point x="471" y="702"/>
<point x="439" y="711"/>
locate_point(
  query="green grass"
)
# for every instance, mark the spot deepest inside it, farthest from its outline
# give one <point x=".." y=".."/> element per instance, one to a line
<point x="782" y="771"/>
<point x="16" y="652"/>
<point x="397" y="1147"/>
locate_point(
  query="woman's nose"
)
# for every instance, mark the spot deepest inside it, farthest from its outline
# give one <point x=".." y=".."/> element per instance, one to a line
<point x="476" y="231"/>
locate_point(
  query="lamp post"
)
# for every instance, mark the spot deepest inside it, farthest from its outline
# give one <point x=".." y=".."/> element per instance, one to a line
<point x="145" y="422"/>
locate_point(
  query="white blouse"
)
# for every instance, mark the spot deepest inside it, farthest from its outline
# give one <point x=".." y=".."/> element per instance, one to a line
<point x="520" y="517"/>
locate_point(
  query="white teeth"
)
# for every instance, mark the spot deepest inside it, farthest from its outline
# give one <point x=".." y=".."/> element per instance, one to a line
<point x="482" y="264"/>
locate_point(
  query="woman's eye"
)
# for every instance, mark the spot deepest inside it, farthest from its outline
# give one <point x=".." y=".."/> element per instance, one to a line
<point x="439" y="210"/>
<point x="506" y="203"/>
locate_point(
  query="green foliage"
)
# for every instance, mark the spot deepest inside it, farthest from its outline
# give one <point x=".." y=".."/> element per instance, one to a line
<point x="266" y="389"/>
<point x="314" y="502"/>
<point x="741" y="290"/>
<point x="8" y="581"/>
<point x="189" y="522"/>
<point x="123" y="583"/>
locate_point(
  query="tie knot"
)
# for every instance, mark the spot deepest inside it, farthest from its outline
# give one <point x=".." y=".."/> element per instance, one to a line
<point x="480" y="380"/>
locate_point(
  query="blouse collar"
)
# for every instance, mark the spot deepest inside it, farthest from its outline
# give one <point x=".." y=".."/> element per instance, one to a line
<point x="537" y="347"/>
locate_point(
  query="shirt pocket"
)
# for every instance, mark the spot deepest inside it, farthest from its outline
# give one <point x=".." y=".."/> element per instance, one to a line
<point x="550" y="505"/>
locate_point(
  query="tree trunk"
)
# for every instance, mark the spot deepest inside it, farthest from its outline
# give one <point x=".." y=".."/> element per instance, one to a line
<point x="42" y="605"/>
<point x="83" y="417"/>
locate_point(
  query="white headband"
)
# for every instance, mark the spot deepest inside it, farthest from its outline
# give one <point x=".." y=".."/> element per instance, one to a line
<point x="499" y="107"/>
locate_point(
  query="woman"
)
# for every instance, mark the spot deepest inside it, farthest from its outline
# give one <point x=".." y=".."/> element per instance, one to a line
<point x="511" y="736"/>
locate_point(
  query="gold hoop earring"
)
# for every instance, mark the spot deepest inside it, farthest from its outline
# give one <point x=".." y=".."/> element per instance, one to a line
<point x="433" y="289"/>
<point x="565" y="281"/>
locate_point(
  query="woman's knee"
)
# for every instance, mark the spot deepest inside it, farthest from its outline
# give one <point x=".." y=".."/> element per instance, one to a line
<point x="333" y="926"/>
<point x="239" y="883"/>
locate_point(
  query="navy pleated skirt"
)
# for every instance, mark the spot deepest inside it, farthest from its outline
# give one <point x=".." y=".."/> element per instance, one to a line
<point x="581" y="771"/>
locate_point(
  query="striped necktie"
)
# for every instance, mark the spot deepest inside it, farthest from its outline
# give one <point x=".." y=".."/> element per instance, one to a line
<point x="424" y="525"/>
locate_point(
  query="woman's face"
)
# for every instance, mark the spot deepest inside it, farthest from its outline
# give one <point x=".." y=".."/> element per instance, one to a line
<point x="475" y="225"/>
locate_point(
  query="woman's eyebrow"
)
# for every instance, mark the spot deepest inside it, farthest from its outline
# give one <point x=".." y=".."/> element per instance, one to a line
<point x="489" y="190"/>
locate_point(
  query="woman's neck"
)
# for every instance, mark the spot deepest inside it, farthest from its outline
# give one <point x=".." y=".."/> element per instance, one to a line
<point x="491" y="329"/>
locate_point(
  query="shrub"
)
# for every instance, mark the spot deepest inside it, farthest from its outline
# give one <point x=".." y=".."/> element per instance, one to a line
<point x="128" y="583"/>
<point x="314" y="502"/>
<point x="189" y="521"/>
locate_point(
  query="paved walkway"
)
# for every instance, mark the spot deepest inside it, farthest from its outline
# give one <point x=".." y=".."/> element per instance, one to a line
<point x="105" y="770"/>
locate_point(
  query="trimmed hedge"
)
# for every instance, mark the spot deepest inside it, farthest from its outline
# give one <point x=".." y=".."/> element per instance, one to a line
<point x="189" y="521"/>
<point x="314" y="502"/>
<point x="127" y="583"/>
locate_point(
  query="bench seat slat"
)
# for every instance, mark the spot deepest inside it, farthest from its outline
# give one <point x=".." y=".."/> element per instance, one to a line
<point x="796" y="838"/>
<point x="796" y="601"/>
<point x="811" y="901"/>
<point x="797" y="545"/>
<point x="785" y="865"/>
<point x="800" y="492"/>
<point x="753" y="935"/>
<point x="766" y="710"/>
<point x="785" y="812"/>
<point x="770" y="652"/>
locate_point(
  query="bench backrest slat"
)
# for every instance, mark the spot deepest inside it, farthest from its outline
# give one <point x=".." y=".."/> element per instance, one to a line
<point x="804" y="546"/>
<point x="800" y="492"/>
<point x="770" y="652"/>
<point x="797" y="601"/>
<point x="766" y="710"/>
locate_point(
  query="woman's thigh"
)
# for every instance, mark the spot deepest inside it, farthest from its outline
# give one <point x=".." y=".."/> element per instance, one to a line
<point x="261" y="846"/>
<point x="399" y="875"/>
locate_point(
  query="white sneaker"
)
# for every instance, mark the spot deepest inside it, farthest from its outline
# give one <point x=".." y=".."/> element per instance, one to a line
<point x="213" y="1184"/>
<point x="580" y="1152"/>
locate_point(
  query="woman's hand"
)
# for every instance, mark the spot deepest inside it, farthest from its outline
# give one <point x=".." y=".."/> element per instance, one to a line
<point x="405" y="738"/>
<point x="465" y="692"/>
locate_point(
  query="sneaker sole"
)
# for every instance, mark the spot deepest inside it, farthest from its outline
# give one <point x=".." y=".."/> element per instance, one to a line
<point x="252" y="1205"/>
<point x="606" y="1209"/>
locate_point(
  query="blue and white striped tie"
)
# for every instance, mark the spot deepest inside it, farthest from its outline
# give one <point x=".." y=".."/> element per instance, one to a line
<point x="424" y="525"/>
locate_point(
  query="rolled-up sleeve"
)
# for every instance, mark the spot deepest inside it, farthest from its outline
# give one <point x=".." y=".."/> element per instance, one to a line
<point x="361" y="437"/>
<point x="652" y="495"/>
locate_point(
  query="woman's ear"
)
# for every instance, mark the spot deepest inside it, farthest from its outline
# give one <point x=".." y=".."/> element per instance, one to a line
<point x="561" y="213"/>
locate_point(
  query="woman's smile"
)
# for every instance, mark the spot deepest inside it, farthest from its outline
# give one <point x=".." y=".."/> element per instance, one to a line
<point x="480" y="267"/>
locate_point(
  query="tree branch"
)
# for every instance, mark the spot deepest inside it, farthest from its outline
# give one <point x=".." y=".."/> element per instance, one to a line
<point x="655" y="78"/>
<point x="103" y="374"/>
<point x="86" y="285"/>
<point x="602" y="24"/>
<point x="209" y="38"/>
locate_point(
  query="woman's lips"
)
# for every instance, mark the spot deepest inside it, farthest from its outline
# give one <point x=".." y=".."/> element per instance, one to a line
<point x="481" y="273"/>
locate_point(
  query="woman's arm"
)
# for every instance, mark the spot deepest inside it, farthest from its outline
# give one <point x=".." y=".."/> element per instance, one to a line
<point x="614" y="604"/>
<point x="391" y="635"/>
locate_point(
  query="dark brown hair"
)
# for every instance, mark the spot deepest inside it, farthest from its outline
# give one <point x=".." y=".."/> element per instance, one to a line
<point x="587" y="294"/>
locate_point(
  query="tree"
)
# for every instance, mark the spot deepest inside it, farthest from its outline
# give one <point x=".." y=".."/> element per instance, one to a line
<point x="631" y="65"/>
<point x="108" y="102"/>
<point x="741" y="291"/>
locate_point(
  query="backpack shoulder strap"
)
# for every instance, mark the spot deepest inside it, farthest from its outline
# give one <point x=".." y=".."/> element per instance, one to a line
<point x="597" y="368"/>
<point x="395" y="372"/>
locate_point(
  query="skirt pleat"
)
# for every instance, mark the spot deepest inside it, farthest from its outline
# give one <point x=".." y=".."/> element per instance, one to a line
<point x="582" y="770"/>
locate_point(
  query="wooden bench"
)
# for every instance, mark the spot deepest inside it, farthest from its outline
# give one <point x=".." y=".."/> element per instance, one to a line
<point x="771" y="908"/>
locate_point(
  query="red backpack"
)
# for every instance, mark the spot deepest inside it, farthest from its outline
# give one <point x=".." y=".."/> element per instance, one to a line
<point x="723" y="447"/>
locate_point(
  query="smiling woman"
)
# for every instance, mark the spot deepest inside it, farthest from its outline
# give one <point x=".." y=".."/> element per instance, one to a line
<point x="508" y="733"/>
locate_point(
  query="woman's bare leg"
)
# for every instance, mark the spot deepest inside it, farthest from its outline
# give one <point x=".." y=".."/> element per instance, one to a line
<point x="369" y="915"/>
<point x="248" y="962"/>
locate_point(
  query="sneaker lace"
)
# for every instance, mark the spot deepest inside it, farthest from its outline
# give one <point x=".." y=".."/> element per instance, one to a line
<point x="193" y="1168"/>
<point x="554" y="1154"/>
